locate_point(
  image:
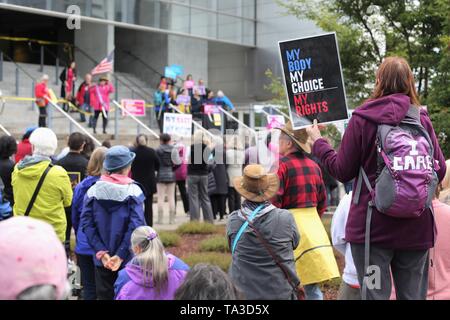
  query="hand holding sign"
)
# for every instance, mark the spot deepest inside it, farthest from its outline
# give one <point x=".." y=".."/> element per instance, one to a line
<point x="314" y="132"/>
<point x="314" y="81"/>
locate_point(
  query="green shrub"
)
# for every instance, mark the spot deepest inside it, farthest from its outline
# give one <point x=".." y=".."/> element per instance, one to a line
<point x="170" y="239"/>
<point x="196" y="228"/>
<point x="221" y="260"/>
<point x="215" y="244"/>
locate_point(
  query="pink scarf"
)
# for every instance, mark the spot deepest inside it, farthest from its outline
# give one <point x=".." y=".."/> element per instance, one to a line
<point x="117" y="179"/>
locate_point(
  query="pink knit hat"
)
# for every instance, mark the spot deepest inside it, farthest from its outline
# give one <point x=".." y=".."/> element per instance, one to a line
<point x="30" y="255"/>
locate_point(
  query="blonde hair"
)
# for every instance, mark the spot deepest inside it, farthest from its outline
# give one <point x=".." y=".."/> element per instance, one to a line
<point x="446" y="182"/>
<point x="152" y="258"/>
<point x="95" y="165"/>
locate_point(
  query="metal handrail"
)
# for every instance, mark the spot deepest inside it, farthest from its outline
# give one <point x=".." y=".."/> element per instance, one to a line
<point x="18" y="66"/>
<point x="75" y="123"/>
<point x="193" y="122"/>
<point x="136" y="119"/>
<point x="237" y="120"/>
<point x="5" y="131"/>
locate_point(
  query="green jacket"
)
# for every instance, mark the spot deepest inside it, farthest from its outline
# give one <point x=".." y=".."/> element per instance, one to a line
<point x="54" y="196"/>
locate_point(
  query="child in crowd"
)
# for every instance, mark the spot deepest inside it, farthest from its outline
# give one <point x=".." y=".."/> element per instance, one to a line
<point x="206" y="282"/>
<point x="152" y="274"/>
<point x="350" y="289"/>
<point x="113" y="209"/>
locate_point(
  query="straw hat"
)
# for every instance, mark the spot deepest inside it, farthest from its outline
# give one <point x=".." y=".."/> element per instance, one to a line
<point x="256" y="185"/>
<point x="300" y="137"/>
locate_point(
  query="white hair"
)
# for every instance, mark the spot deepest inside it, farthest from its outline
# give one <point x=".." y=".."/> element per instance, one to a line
<point x="45" y="77"/>
<point x="44" y="142"/>
<point x="220" y="94"/>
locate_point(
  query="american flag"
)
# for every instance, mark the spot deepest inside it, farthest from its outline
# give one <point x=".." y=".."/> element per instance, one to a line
<point x="106" y="65"/>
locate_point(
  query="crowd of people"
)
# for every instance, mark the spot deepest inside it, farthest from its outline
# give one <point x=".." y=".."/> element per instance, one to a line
<point x="93" y="99"/>
<point x="391" y="226"/>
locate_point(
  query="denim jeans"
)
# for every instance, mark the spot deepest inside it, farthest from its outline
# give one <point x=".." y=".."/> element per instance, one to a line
<point x="312" y="292"/>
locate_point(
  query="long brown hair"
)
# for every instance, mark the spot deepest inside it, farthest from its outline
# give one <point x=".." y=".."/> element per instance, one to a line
<point x="95" y="165"/>
<point x="395" y="76"/>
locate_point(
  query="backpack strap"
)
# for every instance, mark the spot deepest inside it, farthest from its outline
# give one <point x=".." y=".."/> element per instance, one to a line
<point x="295" y="286"/>
<point x="363" y="177"/>
<point x="36" y="191"/>
<point x="244" y="226"/>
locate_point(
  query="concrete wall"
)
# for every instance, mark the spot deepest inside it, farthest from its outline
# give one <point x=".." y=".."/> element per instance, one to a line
<point x="230" y="69"/>
<point x="97" y="40"/>
<point x="273" y="26"/>
<point x="190" y="53"/>
<point x="150" y="47"/>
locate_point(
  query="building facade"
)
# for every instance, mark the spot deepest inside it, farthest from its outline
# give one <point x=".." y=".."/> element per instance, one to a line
<point x="228" y="43"/>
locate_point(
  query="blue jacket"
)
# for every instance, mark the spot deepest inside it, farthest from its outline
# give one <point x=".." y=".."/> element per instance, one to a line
<point x="111" y="213"/>
<point x="82" y="245"/>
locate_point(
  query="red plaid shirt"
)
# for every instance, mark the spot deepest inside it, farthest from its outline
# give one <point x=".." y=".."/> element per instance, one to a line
<point x="301" y="184"/>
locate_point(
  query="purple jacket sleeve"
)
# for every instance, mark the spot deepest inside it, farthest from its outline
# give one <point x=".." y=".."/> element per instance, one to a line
<point x="343" y="165"/>
<point x="438" y="155"/>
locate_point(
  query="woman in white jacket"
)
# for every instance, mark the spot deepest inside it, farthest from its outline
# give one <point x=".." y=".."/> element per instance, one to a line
<point x="350" y="289"/>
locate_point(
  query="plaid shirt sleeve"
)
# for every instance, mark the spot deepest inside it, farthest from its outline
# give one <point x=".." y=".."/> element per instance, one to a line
<point x="301" y="185"/>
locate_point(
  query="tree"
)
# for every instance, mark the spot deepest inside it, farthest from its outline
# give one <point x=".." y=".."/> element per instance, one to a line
<point x="369" y="30"/>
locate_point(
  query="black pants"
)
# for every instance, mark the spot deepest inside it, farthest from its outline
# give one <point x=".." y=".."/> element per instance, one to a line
<point x="148" y="212"/>
<point x="184" y="198"/>
<point x="234" y="200"/>
<point x="42" y="117"/>
<point x="87" y="268"/>
<point x="218" y="203"/>
<point x="68" y="228"/>
<point x="104" y="282"/>
<point x="105" y="119"/>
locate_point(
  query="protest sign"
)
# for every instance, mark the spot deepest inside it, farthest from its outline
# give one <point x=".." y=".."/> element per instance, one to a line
<point x="170" y="73"/>
<point x="134" y="107"/>
<point x="177" y="69"/>
<point x="180" y="124"/>
<point x="275" y="121"/>
<point x="314" y="81"/>
<point x="189" y="84"/>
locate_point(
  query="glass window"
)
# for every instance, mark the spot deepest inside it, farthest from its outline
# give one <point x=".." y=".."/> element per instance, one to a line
<point x="248" y="9"/>
<point x="39" y="4"/>
<point x="229" y="28"/>
<point x="230" y="6"/>
<point x="248" y="32"/>
<point x="203" y="23"/>
<point x="180" y="19"/>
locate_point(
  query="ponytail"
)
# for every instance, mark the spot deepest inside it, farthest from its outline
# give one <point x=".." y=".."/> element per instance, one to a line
<point x="152" y="258"/>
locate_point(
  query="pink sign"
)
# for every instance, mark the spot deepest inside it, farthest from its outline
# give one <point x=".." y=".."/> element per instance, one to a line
<point x="134" y="107"/>
<point x="189" y="84"/>
<point x="275" y="121"/>
<point x="211" y="109"/>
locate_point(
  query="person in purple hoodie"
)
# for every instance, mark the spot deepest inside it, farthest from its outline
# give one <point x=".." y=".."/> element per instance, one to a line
<point x="152" y="274"/>
<point x="397" y="245"/>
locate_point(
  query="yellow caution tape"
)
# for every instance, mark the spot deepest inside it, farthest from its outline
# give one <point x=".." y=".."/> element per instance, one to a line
<point x="42" y="42"/>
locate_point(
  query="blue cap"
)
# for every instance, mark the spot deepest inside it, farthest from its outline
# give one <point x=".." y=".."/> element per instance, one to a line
<point x="117" y="158"/>
<point x="30" y="130"/>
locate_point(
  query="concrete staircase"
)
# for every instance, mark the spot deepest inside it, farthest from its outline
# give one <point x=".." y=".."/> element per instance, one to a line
<point x="15" y="116"/>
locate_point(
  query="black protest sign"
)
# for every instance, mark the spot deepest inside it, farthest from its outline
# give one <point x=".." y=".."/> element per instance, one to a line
<point x="314" y="80"/>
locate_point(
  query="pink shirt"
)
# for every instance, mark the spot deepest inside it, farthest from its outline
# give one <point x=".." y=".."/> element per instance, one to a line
<point x="439" y="267"/>
<point x="439" y="272"/>
<point x="104" y="92"/>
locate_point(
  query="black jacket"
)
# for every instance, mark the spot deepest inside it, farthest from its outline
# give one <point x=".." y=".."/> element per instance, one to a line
<point x="220" y="173"/>
<point x="198" y="166"/>
<point x="144" y="168"/>
<point x="6" y="170"/>
<point x="76" y="166"/>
